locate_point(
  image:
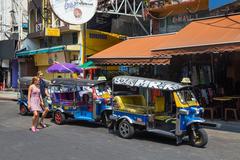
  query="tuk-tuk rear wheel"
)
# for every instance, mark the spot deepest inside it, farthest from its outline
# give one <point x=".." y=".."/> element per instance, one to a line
<point x="199" y="139"/>
<point x="59" y="117"/>
<point x="23" y="110"/>
<point x="126" y="130"/>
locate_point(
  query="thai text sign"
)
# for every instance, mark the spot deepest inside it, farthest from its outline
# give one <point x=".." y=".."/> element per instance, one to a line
<point x="74" y="11"/>
<point x="53" y="32"/>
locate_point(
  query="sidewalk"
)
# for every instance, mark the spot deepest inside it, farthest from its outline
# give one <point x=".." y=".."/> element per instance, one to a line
<point x="9" y="95"/>
<point x="229" y="126"/>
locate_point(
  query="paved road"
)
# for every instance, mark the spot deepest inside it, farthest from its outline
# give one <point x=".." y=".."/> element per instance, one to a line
<point x="86" y="141"/>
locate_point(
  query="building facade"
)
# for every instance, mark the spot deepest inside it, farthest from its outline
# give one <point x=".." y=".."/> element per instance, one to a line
<point x="13" y="29"/>
<point x="52" y="40"/>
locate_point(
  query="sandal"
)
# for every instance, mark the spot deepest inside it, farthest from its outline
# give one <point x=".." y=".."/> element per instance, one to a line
<point x="33" y="129"/>
<point x="43" y="125"/>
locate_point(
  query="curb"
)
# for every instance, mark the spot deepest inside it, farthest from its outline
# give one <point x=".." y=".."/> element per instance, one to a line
<point x="8" y="99"/>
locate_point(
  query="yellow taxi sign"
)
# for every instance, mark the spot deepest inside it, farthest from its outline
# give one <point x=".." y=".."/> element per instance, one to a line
<point x="52" y="32"/>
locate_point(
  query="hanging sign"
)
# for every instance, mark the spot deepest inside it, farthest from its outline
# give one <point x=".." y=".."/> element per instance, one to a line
<point x="74" y="11"/>
<point x="52" y="32"/>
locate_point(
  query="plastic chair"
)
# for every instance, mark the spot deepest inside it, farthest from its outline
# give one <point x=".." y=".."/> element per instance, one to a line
<point x="227" y="110"/>
<point x="210" y="109"/>
<point x="233" y="110"/>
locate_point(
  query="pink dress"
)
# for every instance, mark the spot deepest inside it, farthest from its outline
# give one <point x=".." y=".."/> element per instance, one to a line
<point x="35" y="99"/>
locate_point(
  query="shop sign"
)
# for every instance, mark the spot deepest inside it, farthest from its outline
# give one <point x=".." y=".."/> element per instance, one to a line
<point x="52" y="32"/>
<point x="5" y="63"/>
<point x="123" y="68"/>
<point x="74" y="11"/>
<point x="181" y="19"/>
<point x="97" y="36"/>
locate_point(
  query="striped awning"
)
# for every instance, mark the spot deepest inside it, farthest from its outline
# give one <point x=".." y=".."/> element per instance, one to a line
<point x="40" y="51"/>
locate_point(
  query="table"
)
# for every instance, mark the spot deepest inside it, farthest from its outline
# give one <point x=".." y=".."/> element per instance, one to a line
<point x="233" y="97"/>
<point x="222" y="100"/>
<point x="236" y="98"/>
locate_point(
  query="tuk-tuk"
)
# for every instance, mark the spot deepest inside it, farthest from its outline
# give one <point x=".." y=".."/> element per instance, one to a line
<point x="157" y="106"/>
<point x="23" y="85"/>
<point x="80" y="99"/>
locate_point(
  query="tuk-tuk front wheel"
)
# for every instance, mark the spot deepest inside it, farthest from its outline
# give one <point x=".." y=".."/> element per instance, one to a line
<point x="126" y="130"/>
<point x="59" y="117"/>
<point x="105" y="119"/>
<point x="198" y="137"/>
<point x="23" y="110"/>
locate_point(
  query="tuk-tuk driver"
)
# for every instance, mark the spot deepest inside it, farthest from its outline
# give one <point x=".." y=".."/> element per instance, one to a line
<point x="45" y="96"/>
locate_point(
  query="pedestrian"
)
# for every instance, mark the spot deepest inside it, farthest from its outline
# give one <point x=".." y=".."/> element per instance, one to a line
<point x="34" y="102"/>
<point x="45" y="97"/>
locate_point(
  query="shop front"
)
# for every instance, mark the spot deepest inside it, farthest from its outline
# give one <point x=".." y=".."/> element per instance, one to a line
<point x="206" y="51"/>
<point x="7" y="50"/>
<point x="42" y="58"/>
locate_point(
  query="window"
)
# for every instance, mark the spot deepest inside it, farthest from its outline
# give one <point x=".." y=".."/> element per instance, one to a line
<point x="75" y="38"/>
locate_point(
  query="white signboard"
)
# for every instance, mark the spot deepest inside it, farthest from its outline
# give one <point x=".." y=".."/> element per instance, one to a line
<point x="5" y="63"/>
<point x="155" y="84"/>
<point x="74" y="11"/>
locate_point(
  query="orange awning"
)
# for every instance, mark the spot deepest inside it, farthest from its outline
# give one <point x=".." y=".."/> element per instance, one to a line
<point x="134" y="51"/>
<point x="213" y="35"/>
<point x="191" y="6"/>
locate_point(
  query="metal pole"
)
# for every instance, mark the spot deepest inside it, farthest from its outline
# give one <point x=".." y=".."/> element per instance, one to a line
<point x="150" y="28"/>
<point x="82" y="53"/>
<point x="212" y="66"/>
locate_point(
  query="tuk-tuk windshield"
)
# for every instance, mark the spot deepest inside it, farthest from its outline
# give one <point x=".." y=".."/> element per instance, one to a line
<point x="186" y="96"/>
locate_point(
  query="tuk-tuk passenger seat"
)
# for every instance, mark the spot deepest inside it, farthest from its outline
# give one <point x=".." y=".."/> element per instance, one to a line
<point x="132" y="103"/>
<point x="159" y="104"/>
<point x="160" y="109"/>
<point x="56" y="97"/>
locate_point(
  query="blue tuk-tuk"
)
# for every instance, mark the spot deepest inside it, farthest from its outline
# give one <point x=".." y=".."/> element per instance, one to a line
<point x="23" y="85"/>
<point x="80" y="99"/>
<point x="157" y="106"/>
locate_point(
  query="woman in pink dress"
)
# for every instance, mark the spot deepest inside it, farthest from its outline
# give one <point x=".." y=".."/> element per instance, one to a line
<point x="34" y="102"/>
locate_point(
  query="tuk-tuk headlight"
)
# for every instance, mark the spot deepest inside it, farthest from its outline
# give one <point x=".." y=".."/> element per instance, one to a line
<point x="197" y="111"/>
<point x="183" y="112"/>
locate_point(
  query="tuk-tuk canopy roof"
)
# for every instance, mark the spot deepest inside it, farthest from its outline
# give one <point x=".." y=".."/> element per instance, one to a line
<point x="147" y="83"/>
<point x="25" y="82"/>
<point x="74" y="82"/>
